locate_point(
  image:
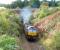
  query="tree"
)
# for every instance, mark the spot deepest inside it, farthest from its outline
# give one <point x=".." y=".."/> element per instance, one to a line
<point x="44" y="0"/>
<point x="58" y="3"/>
<point x="35" y="3"/>
<point x="53" y="2"/>
<point x="25" y="2"/>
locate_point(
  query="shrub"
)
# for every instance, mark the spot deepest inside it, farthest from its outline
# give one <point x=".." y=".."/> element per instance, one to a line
<point x="44" y="11"/>
<point x="7" y="42"/>
<point x="52" y="43"/>
<point x="9" y="23"/>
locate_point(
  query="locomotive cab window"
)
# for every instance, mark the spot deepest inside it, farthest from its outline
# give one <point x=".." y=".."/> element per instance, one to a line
<point x="32" y="29"/>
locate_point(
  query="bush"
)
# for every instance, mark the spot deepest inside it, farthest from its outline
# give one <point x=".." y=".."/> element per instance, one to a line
<point x="7" y="42"/>
<point x="52" y="43"/>
<point x="57" y="40"/>
<point x="9" y="23"/>
<point x="58" y="4"/>
<point x="44" y="11"/>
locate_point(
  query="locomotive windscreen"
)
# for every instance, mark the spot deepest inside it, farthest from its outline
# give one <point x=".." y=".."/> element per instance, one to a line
<point x="32" y="30"/>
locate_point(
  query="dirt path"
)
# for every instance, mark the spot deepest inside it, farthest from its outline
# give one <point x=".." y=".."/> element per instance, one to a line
<point x="29" y="45"/>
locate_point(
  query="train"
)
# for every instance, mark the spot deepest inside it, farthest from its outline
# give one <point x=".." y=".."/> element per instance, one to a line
<point x="31" y="33"/>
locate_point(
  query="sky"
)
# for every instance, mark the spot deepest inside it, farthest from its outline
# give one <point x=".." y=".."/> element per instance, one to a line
<point x="6" y="1"/>
<point x="10" y="1"/>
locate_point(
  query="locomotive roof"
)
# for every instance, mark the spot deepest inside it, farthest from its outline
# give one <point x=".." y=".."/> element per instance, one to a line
<point x="31" y="27"/>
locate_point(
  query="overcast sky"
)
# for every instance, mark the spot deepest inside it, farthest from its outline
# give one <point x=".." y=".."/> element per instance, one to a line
<point x="10" y="1"/>
<point x="6" y="1"/>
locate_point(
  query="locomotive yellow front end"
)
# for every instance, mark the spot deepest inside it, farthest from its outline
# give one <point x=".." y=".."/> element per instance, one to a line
<point x="32" y="33"/>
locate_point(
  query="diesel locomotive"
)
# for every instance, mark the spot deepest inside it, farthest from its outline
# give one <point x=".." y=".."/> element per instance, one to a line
<point x="31" y="33"/>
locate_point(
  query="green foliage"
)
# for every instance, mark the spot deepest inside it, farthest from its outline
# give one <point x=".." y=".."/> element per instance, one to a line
<point x="58" y="3"/>
<point x="7" y="42"/>
<point x="18" y="3"/>
<point x="52" y="43"/>
<point x="9" y="23"/>
<point x="34" y="3"/>
<point x="57" y="40"/>
<point x="44" y="11"/>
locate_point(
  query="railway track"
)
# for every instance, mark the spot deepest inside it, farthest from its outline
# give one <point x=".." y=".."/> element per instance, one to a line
<point x="31" y="45"/>
<point x="26" y="45"/>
